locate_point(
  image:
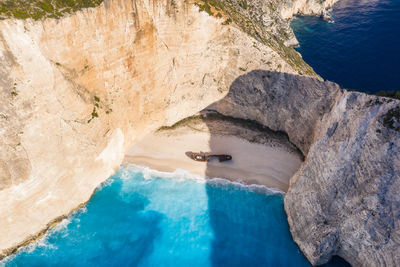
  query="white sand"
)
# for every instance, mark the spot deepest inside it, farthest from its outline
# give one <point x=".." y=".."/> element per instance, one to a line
<point x="252" y="163"/>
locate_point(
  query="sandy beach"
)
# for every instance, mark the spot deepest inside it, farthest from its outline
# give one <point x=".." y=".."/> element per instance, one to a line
<point x="266" y="163"/>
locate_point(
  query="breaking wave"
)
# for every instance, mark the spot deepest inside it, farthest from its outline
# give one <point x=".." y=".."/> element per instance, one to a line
<point x="181" y="175"/>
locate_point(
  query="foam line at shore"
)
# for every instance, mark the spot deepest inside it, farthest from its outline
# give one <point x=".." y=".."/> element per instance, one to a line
<point x="181" y="175"/>
<point x="125" y="173"/>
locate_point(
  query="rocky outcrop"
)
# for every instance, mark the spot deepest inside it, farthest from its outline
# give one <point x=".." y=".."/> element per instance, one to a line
<point x="344" y="200"/>
<point x="283" y="102"/>
<point x="268" y="22"/>
<point x="272" y="18"/>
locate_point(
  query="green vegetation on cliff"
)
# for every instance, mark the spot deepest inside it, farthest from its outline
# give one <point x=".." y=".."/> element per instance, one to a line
<point x="38" y="9"/>
<point x="240" y="12"/>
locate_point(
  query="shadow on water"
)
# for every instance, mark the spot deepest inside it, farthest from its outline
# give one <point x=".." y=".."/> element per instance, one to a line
<point x="238" y="239"/>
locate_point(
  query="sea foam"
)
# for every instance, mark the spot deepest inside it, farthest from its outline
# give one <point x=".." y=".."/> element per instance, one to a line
<point x="182" y="175"/>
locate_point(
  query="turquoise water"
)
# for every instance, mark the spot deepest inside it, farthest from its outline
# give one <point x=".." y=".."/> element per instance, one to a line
<point x="360" y="50"/>
<point x="136" y="221"/>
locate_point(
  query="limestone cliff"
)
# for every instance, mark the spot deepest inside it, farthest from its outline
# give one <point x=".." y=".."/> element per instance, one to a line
<point x="344" y="200"/>
<point x="289" y="103"/>
<point x="79" y="86"/>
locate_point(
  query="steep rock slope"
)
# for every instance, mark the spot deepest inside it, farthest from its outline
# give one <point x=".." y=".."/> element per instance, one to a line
<point x="344" y="200"/>
<point x="283" y="102"/>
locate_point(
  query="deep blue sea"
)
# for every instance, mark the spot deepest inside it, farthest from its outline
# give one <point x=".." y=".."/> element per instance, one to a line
<point x="360" y="50"/>
<point x="138" y="219"/>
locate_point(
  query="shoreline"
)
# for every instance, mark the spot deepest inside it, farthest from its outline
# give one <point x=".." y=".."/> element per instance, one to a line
<point x="35" y="237"/>
<point x="185" y="175"/>
<point x="54" y="223"/>
<point x="163" y="151"/>
<point x="264" y="158"/>
<point x="168" y="171"/>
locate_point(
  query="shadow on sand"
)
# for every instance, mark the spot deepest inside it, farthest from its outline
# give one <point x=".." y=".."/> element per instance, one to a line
<point x="290" y="105"/>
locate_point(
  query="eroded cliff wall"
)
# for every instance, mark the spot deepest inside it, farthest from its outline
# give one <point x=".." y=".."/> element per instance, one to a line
<point x="284" y="102"/>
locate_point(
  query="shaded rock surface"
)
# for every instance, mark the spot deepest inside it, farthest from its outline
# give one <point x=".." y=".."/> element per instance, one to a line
<point x="344" y="200"/>
<point x="283" y="102"/>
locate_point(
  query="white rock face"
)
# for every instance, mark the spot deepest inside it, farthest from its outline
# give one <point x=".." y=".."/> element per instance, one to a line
<point x="76" y="92"/>
<point x="306" y="7"/>
<point x="270" y="20"/>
